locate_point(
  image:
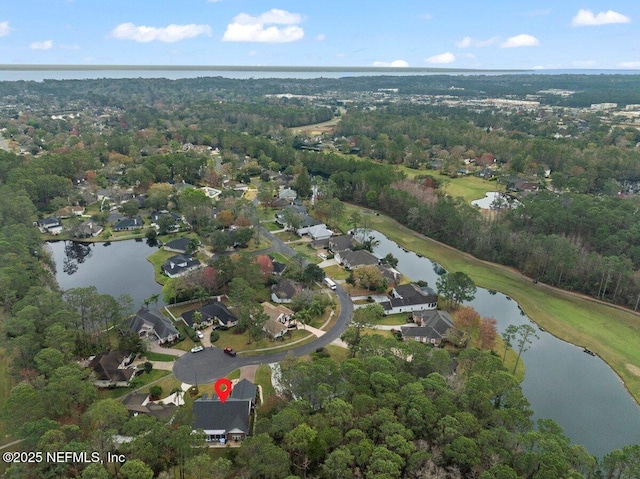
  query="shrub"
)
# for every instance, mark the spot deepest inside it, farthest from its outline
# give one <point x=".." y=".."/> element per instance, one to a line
<point x="147" y="366"/>
<point x="155" y="392"/>
<point x="214" y="336"/>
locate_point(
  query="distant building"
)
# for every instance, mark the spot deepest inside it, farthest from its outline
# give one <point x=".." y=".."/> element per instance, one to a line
<point x="153" y="325"/>
<point x="179" y="265"/>
<point x="407" y="298"/>
<point x="129" y="224"/>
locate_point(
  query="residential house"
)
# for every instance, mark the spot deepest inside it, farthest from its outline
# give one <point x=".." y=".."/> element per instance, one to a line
<point x="51" y="225"/>
<point x="214" y="312"/>
<point x="88" y="229"/>
<point x="69" y="211"/>
<point x="109" y="370"/>
<point x="410" y="297"/>
<point x="178" y="245"/>
<point x="284" y="290"/>
<point x="179" y="265"/>
<point x="281" y="203"/>
<point x="316" y="232"/>
<point x="222" y="421"/>
<point x="340" y="243"/>
<point x="287" y="194"/>
<point x="486" y="173"/>
<point x="353" y="259"/>
<point x="245" y="389"/>
<point x="138" y="403"/>
<point x="278" y="268"/>
<point x="129" y="224"/>
<point x="431" y="327"/>
<point x="392" y="275"/>
<point x="279" y="316"/>
<point x="153" y="325"/>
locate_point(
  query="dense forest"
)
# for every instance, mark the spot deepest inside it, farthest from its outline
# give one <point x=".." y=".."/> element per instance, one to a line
<point x="378" y="415"/>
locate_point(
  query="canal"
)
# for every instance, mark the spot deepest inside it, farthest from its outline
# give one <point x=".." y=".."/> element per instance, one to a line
<point x="579" y="392"/>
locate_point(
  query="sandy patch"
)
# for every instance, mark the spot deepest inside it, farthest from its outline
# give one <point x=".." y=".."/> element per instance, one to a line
<point x="248" y="372"/>
<point x="634" y="369"/>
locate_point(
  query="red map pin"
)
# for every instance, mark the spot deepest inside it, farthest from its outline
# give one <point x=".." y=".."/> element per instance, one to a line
<point x="223" y="389"/>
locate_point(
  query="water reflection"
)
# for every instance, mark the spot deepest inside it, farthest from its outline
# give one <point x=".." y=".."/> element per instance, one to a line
<point x="75" y="254"/>
<point x="580" y="392"/>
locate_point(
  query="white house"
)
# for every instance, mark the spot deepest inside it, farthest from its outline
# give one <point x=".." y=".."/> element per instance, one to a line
<point x="407" y="298"/>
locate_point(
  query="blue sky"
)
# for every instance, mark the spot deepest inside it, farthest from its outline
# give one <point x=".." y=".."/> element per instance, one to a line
<point x="583" y="34"/>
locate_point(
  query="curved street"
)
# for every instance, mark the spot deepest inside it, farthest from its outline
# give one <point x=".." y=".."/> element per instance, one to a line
<point x="211" y="364"/>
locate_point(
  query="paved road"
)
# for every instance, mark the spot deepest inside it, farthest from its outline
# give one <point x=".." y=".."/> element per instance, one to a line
<point x="211" y="364"/>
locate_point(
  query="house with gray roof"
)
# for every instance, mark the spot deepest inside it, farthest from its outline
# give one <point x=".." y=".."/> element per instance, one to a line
<point x="214" y="312"/>
<point x="284" y="290"/>
<point x="178" y="245"/>
<point x="353" y="259"/>
<point x="153" y="325"/>
<point x="222" y="421"/>
<point x="179" y="265"/>
<point x="406" y="298"/>
<point x="129" y="224"/>
<point x="431" y="327"/>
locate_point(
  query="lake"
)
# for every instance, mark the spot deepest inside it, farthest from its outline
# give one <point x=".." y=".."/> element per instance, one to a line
<point x="580" y="392"/>
<point x="116" y="268"/>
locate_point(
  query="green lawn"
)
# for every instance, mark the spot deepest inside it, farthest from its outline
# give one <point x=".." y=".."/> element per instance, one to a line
<point x="271" y="226"/>
<point x="263" y="378"/>
<point x="469" y="187"/>
<point x="157" y="259"/>
<point x="612" y="332"/>
<point x="287" y="236"/>
<point x="336" y="272"/>
<point x="240" y="342"/>
<point x="394" y="319"/>
<point x="139" y="382"/>
<point x="159" y="357"/>
<point x="168" y="383"/>
<point x="338" y="353"/>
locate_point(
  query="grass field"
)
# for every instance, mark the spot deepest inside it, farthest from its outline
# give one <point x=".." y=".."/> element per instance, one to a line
<point x="316" y="129"/>
<point x="157" y="259"/>
<point x="612" y="332"/>
<point x="336" y="272"/>
<point x="468" y="187"/>
<point x="159" y="357"/>
<point x="263" y="378"/>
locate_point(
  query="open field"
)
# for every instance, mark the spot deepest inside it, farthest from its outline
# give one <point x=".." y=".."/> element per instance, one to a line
<point x="469" y="187"/>
<point x="316" y="129"/>
<point x="612" y="332"/>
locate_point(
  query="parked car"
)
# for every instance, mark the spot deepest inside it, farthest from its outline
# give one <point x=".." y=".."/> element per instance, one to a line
<point x="200" y="334"/>
<point x="197" y="349"/>
<point x="229" y="351"/>
<point x="322" y="255"/>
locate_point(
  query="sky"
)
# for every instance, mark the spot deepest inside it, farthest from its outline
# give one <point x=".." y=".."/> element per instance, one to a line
<point x="501" y="34"/>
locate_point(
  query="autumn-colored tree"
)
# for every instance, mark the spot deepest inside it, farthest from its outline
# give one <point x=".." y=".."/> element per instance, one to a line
<point x="487" y="333"/>
<point x="467" y="322"/>
<point x="225" y="217"/>
<point x="266" y="265"/>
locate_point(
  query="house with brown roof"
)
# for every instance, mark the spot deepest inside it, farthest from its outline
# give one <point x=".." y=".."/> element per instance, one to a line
<point x="284" y="290"/>
<point x="353" y="259"/>
<point x="109" y="370"/>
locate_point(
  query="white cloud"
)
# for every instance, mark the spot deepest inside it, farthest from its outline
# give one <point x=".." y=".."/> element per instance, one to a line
<point x="441" y="59"/>
<point x="321" y="37"/>
<point x="522" y="40"/>
<point x="584" y="63"/>
<point x="633" y="64"/>
<point x="586" y="18"/>
<point x="467" y="42"/>
<point x="5" y="29"/>
<point x="394" y="63"/>
<point x="169" y="34"/>
<point x="247" y="28"/>
<point x="46" y="45"/>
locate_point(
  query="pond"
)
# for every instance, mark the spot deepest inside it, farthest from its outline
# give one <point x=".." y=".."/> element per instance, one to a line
<point x="495" y="200"/>
<point x="580" y="392"/>
<point x="116" y="268"/>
